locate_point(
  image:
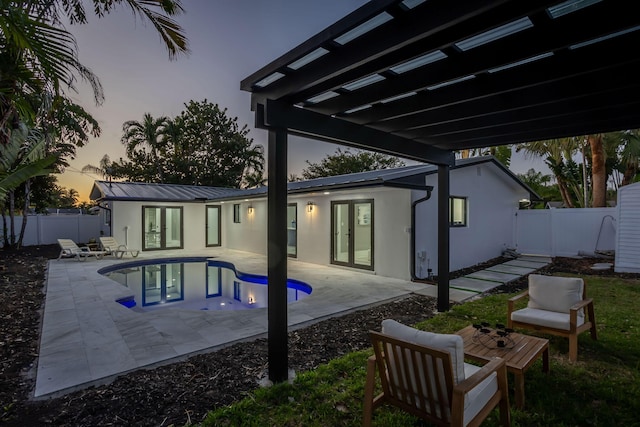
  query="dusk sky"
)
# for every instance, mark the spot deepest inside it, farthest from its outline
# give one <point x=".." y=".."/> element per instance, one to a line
<point x="229" y="40"/>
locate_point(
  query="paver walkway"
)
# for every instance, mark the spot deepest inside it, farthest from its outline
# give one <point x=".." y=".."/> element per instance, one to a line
<point x="87" y="338"/>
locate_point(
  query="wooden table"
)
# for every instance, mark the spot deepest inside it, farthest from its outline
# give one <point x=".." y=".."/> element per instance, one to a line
<point x="525" y="350"/>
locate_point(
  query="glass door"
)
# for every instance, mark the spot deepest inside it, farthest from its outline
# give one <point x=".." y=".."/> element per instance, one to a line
<point x="352" y="233"/>
<point x="213" y="226"/>
<point x="363" y="234"/>
<point x="292" y="230"/>
<point x="162" y="227"/>
<point x="151" y="228"/>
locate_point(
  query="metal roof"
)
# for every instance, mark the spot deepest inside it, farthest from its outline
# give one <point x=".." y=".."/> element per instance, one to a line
<point x="418" y="78"/>
<point x="105" y="190"/>
<point x="411" y="177"/>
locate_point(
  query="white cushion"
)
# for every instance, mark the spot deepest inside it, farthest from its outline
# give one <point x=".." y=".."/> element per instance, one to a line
<point x="478" y="396"/>
<point x="546" y="318"/>
<point x="445" y="342"/>
<point x="554" y="293"/>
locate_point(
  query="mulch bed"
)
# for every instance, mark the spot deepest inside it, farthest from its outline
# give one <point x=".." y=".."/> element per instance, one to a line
<point x="181" y="392"/>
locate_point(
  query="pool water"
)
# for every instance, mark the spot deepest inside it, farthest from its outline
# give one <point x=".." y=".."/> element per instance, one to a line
<point x="194" y="283"/>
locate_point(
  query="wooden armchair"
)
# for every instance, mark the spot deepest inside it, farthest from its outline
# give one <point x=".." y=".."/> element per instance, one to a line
<point x="556" y="306"/>
<point x="425" y="374"/>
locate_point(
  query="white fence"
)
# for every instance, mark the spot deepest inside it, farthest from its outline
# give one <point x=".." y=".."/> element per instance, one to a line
<point x="46" y="229"/>
<point x="565" y="232"/>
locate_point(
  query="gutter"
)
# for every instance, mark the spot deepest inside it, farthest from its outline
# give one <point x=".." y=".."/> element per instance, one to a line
<point x="413" y="233"/>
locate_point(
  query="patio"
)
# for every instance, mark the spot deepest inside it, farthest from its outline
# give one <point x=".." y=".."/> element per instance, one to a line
<point x="88" y="338"/>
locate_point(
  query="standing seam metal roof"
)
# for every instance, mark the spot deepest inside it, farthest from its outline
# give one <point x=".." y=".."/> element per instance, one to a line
<point x="105" y="190"/>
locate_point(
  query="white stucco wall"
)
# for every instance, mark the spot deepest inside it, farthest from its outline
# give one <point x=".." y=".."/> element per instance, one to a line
<point x="127" y="223"/>
<point x="391" y="236"/>
<point x="492" y="201"/>
<point x="251" y="233"/>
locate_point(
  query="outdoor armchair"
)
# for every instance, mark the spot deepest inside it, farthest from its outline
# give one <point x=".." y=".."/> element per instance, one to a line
<point x="425" y="374"/>
<point x="556" y="306"/>
<point x="112" y="247"/>
<point x="69" y="249"/>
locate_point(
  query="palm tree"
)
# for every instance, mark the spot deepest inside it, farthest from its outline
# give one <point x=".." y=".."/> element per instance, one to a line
<point x="21" y="158"/>
<point x="149" y="133"/>
<point x="624" y="150"/>
<point x="38" y="57"/>
<point x="105" y="168"/>
<point x="598" y="171"/>
<point x="558" y="154"/>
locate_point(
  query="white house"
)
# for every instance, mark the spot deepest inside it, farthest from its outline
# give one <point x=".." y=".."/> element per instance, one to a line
<point x="381" y="221"/>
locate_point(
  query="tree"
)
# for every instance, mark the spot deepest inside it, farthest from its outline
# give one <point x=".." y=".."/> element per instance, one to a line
<point x="202" y="146"/>
<point x="346" y="162"/>
<point x="558" y="155"/>
<point x="39" y="57"/>
<point x="149" y="133"/>
<point x="623" y="156"/>
<point x="502" y="153"/>
<point x="105" y="168"/>
<point x="216" y="150"/>
<point x="598" y="171"/>
<point x="21" y="158"/>
<point x="541" y="184"/>
<point x="254" y="179"/>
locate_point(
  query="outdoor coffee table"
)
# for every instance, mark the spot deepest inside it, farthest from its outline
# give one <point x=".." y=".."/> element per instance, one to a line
<point x="519" y="357"/>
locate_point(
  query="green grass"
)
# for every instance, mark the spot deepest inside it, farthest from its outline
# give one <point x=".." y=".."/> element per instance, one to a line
<point x="601" y="389"/>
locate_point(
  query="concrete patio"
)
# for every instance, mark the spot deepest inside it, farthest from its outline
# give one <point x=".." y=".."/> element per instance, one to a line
<point x="87" y="338"/>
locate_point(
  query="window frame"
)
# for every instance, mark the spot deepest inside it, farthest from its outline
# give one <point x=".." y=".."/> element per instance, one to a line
<point x="465" y="207"/>
<point x="236" y="213"/>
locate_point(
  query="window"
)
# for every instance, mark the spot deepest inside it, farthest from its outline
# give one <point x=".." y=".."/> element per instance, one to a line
<point x="236" y="213"/>
<point x="457" y="211"/>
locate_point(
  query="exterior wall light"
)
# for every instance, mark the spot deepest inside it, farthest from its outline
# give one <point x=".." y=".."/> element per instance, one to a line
<point x="250" y="210"/>
<point x="310" y="206"/>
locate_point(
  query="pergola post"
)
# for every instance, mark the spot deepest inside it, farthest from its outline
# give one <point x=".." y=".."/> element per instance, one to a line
<point x="443" y="238"/>
<point x="277" y="255"/>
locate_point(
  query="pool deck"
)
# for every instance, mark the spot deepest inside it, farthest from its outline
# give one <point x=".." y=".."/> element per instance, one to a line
<point x="89" y="339"/>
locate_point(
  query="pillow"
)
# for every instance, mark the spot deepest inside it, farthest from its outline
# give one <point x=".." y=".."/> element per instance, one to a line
<point x="553" y="293"/>
<point x="445" y="342"/>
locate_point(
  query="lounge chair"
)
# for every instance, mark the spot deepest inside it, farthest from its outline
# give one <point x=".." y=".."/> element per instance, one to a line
<point x="425" y="374"/>
<point x="556" y="306"/>
<point x="111" y="246"/>
<point x="69" y="249"/>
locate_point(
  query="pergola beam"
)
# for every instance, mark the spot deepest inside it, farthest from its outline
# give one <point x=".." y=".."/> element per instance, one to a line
<point x="313" y="125"/>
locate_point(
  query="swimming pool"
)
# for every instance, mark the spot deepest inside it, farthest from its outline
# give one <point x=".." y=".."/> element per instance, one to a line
<point x="194" y="283"/>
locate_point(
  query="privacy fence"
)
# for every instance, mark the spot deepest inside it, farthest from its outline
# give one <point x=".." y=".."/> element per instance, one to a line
<point x="565" y="232"/>
<point x="46" y="229"/>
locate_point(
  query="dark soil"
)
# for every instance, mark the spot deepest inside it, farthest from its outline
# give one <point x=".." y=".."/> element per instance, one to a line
<point x="181" y="392"/>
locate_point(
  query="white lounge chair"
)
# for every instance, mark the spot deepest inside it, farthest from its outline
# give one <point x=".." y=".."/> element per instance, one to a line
<point x="69" y="249"/>
<point x="111" y="246"/>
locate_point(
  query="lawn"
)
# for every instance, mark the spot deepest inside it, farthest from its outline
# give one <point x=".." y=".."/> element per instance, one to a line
<point x="601" y="389"/>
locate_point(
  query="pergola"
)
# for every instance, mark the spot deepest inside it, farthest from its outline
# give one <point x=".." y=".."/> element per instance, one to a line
<point x="420" y="79"/>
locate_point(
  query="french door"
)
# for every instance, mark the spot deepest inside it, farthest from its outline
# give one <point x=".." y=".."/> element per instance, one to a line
<point x="213" y="226"/>
<point x="292" y="230"/>
<point x="352" y="233"/>
<point x="162" y="228"/>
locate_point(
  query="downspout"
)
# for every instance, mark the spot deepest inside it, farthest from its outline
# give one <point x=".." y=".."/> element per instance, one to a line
<point x="413" y="233"/>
